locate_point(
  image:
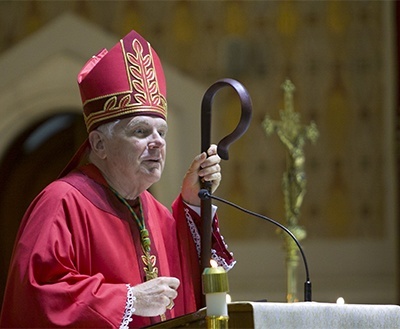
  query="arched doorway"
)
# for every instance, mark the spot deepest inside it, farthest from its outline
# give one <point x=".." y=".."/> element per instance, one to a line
<point x="33" y="160"/>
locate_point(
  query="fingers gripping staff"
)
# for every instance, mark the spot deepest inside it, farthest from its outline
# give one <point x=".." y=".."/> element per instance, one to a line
<point x="222" y="150"/>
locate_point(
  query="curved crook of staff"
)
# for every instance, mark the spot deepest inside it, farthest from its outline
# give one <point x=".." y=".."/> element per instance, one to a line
<point x="222" y="150"/>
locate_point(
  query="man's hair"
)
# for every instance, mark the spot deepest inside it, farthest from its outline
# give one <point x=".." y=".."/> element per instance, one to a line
<point x="108" y="128"/>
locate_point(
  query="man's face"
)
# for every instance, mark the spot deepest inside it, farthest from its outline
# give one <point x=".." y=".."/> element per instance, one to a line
<point x="136" y="152"/>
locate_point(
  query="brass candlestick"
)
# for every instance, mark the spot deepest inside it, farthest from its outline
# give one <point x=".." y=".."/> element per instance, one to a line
<point x="215" y="287"/>
<point x="217" y="322"/>
<point x="293" y="135"/>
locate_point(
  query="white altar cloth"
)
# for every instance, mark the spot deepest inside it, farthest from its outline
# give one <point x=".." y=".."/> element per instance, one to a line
<point x="325" y="315"/>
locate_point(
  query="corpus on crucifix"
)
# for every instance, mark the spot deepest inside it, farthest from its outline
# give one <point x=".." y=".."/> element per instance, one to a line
<point x="293" y="135"/>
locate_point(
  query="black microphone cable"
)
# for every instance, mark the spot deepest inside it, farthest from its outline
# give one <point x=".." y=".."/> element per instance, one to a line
<point x="204" y="194"/>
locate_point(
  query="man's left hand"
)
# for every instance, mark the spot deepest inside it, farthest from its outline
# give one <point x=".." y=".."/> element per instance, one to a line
<point x="205" y="167"/>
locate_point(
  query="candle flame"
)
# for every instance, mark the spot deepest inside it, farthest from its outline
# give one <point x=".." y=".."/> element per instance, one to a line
<point x="213" y="263"/>
<point x="340" y="301"/>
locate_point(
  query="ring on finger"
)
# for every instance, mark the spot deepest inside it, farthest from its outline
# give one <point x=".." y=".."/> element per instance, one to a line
<point x="170" y="305"/>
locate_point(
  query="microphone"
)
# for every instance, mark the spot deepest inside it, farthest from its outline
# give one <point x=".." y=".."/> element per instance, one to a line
<point x="205" y="195"/>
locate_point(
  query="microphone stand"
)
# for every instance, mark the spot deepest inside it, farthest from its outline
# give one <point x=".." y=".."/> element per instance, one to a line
<point x="204" y="195"/>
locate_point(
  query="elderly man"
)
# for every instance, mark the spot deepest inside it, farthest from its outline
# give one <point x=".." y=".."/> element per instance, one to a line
<point x="95" y="248"/>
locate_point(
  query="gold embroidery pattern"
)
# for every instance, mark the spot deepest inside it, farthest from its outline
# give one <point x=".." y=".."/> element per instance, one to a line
<point x="144" y="79"/>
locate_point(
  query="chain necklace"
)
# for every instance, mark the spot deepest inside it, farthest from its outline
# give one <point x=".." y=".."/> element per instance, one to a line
<point x="149" y="260"/>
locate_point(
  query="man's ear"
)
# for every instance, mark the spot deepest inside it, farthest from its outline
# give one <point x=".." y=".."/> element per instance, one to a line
<point x="97" y="143"/>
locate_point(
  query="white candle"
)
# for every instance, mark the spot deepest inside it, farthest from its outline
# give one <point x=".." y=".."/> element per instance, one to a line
<point x="215" y="287"/>
<point x="216" y="304"/>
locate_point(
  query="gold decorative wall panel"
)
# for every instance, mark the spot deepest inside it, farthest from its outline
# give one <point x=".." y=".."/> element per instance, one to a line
<point x="333" y="51"/>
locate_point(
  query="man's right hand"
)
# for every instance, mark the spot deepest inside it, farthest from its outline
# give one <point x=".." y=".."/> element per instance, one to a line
<point x="153" y="296"/>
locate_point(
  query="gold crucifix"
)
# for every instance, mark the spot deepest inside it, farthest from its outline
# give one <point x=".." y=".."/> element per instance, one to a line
<point x="293" y="135"/>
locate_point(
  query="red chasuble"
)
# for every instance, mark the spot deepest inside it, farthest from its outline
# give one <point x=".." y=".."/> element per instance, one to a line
<point x="78" y="251"/>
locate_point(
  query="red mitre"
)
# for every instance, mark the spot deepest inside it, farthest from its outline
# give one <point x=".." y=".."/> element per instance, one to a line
<point x="126" y="81"/>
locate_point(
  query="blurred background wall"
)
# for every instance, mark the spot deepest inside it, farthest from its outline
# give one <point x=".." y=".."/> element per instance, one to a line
<point x="341" y="57"/>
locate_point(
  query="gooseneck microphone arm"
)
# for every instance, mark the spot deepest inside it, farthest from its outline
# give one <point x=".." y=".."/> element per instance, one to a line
<point x="205" y="195"/>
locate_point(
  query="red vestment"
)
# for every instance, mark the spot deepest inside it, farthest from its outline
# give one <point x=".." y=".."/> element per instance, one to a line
<point x="78" y="248"/>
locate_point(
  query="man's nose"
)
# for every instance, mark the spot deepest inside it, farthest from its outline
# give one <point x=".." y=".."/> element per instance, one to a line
<point x="156" y="140"/>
